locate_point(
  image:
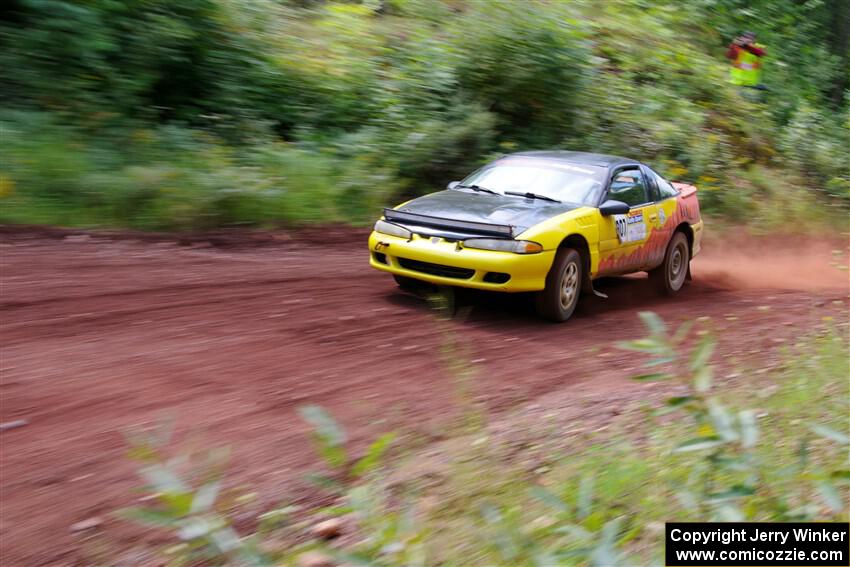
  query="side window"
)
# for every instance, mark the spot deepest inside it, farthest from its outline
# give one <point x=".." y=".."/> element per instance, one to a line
<point x="651" y="184"/>
<point x="628" y="186"/>
<point x="665" y="190"/>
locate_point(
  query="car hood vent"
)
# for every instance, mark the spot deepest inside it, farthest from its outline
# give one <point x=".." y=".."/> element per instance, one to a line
<point x="464" y="226"/>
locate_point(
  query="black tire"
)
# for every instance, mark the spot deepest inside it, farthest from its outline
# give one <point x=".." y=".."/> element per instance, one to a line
<point x="670" y="276"/>
<point x="407" y="284"/>
<point x="563" y="286"/>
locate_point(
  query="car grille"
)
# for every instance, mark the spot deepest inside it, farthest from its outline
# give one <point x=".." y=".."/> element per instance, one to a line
<point x="436" y="269"/>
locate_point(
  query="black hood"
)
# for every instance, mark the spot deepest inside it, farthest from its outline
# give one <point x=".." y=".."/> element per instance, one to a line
<point x="518" y="212"/>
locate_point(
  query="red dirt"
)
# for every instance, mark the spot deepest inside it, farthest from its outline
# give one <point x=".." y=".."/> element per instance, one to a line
<point x="101" y="334"/>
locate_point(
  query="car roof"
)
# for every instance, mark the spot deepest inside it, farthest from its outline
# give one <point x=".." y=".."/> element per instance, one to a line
<point x="586" y="158"/>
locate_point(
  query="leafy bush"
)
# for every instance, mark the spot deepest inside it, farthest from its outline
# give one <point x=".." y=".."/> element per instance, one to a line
<point x="177" y="179"/>
<point x="728" y="484"/>
<point x="816" y="144"/>
<point x="528" y="67"/>
<point x="139" y="114"/>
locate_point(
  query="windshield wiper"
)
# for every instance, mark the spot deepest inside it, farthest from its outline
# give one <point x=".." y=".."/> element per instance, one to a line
<point x="532" y="196"/>
<point x="477" y="188"/>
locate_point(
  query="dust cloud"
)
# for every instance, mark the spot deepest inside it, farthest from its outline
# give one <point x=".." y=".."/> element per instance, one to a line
<point x="785" y="263"/>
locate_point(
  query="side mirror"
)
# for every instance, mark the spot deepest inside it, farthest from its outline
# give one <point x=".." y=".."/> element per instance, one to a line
<point x="612" y="207"/>
<point x="452" y="184"/>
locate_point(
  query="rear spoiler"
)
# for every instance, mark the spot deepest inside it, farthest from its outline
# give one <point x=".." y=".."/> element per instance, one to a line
<point x="684" y="189"/>
<point x="483" y="228"/>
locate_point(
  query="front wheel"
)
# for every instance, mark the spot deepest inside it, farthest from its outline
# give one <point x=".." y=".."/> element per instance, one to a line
<point x="670" y="276"/>
<point x="559" y="298"/>
<point x="407" y="284"/>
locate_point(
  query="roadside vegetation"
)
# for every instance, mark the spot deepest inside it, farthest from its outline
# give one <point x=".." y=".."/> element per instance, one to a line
<point x="766" y="444"/>
<point x="213" y="113"/>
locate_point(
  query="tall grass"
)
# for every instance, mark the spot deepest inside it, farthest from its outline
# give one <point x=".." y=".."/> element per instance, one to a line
<point x="172" y="178"/>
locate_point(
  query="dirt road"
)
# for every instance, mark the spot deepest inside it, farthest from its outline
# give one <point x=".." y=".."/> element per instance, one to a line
<point x="99" y="335"/>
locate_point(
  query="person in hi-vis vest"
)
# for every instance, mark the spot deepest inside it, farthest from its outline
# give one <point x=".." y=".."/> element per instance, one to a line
<point x="746" y="56"/>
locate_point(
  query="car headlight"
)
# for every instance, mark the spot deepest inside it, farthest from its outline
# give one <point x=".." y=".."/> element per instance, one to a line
<point x="515" y="246"/>
<point x="385" y="227"/>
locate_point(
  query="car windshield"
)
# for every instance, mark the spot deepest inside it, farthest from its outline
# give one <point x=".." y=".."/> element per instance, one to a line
<point x="566" y="182"/>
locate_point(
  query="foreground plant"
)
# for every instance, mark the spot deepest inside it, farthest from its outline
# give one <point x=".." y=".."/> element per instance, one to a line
<point x="727" y="483"/>
<point x="330" y="440"/>
<point x="720" y="468"/>
<point x="185" y="497"/>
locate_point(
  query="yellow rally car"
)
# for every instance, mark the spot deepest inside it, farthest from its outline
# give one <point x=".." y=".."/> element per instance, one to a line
<point x="545" y="222"/>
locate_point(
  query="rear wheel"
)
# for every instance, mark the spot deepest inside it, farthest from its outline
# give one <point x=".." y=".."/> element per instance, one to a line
<point x="563" y="286"/>
<point x="670" y="276"/>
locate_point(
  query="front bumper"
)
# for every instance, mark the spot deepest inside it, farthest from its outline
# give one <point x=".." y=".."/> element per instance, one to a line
<point x="441" y="262"/>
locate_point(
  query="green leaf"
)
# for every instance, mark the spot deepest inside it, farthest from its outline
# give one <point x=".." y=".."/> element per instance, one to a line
<point x="227" y="542"/>
<point x="545" y="559"/>
<point x="329" y="436"/>
<point x="576" y="531"/>
<point x="361" y="500"/>
<point x="143" y="453"/>
<point x="651" y="377"/>
<point x="840" y="475"/>
<point x="702" y="353"/>
<point x="687" y="499"/>
<point x="195" y="527"/>
<point x="605" y="554"/>
<point x="324" y="425"/>
<point x="737" y="491"/>
<point x="659" y="361"/>
<point x="323" y="481"/>
<point x="549" y="499"/>
<point x="803" y="454"/>
<point x="682" y="332"/>
<point x="205" y="497"/>
<point x="676" y="401"/>
<point x="829" y="433"/>
<point x="653" y="323"/>
<point x="830" y="496"/>
<point x="703" y="378"/>
<point x="730" y="513"/>
<point x="643" y="345"/>
<point x="699" y="444"/>
<point x="148" y="516"/>
<point x="737" y="464"/>
<point x="373" y="456"/>
<point x="749" y="428"/>
<point x="610" y="530"/>
<point x="334" y="455"/>
<point x="335" y="510"/>
<point x="722" y="421"/>
<point x="504" y="540"/>
<point x="162" y="479"/>
<point x="585" y="497"/>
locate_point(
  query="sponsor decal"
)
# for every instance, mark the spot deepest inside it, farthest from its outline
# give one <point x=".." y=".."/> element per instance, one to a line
<point x="630" y="227"/>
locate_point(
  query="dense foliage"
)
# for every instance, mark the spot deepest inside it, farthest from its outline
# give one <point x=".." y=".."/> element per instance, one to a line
<point x="205" y="113"/>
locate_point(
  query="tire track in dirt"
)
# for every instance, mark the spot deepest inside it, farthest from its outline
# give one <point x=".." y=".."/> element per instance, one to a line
<point x="232" y="342"/>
